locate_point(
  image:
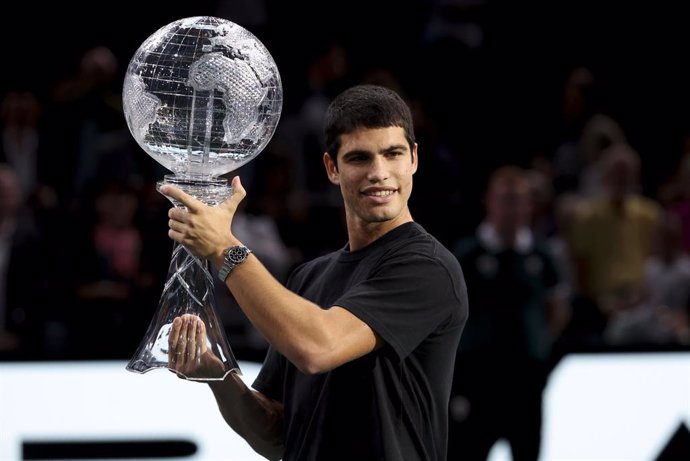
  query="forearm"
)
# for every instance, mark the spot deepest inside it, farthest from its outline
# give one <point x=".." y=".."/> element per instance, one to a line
<point x="296" y="327"/>
<point x="256" y="418"/>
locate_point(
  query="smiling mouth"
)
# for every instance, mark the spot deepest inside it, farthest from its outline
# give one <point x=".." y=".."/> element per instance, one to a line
<point x="380" y="193"/>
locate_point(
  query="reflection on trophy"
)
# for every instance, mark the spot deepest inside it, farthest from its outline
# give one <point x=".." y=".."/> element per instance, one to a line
<point x="202" y="96"/>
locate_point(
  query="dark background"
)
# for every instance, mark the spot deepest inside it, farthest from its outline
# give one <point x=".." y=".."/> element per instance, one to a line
<point x="496" y="103"/>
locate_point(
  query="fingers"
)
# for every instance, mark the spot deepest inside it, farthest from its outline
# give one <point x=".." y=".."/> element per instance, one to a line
<point x="174" y="335"/>
<point x="173" y="340"/>
<point x="177" y="194"/>
<point x="193" y="205"/>
<point x="192" y="355"/>
<point x="178" y="215"/>
<point x="182" y="344"/>
<point x="177" y="230"/>
<point x="200" y="338"/>
<point x="187" y="341"/>
<point x="189" y="355"/>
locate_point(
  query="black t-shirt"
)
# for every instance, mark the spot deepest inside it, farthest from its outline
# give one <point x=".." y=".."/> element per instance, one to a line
<point x="391" y="404"/>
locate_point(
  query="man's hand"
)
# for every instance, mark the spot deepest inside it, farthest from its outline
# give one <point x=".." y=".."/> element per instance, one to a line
<point x="188" y="353"/>
<point x="204" y="230"/>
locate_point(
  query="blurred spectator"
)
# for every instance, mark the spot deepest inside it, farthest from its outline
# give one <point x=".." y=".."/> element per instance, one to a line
<point x="326" y="77"/>
<point x="109" y="280"/>
<point x="22" y="286"/>
<point x="518" y="310"/>
<point x="662" y="316"/>
<point x="442" y="181"/>
<point x="88" y="132"/>
<point x="457" y="21"/>
<point x="675" y="195"/>
<point x="277" y="194"/>
<point x="20" y="112"/>
<point x="565" y="208"/>
<point x="584" y="133"/>
<point x="542" y="198"/>
<point x="610" y="241"/>
<point x="598" y="134"/>
<point x="23" y="148"/>
<point x="10" y="200"/>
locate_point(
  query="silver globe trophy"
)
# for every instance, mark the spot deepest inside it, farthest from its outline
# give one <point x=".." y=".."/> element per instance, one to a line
<point x="202" y="96"/>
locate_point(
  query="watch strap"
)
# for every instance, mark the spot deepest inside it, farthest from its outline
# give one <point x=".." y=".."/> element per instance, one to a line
<point x="233" y="257"/>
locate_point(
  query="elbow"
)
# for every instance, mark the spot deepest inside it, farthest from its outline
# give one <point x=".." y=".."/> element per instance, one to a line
<point x="311" y="368"/>
<point x="313" y="361"/>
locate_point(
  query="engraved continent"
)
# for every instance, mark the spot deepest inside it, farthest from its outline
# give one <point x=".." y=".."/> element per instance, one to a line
<point x="144" y="106"/>
<point x="242" y="92"/>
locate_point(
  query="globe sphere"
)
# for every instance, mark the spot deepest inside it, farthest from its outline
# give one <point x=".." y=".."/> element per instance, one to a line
<point x="202" y="96"/>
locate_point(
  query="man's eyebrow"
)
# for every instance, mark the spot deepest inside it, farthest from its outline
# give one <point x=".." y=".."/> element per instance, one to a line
<point x="394" y="147"/>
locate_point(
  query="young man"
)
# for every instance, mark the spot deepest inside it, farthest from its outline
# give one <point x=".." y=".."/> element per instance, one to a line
<point x="363" y="340"/>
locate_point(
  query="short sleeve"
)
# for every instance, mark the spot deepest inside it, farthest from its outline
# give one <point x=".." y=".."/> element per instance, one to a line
<point x="410" y="295"/>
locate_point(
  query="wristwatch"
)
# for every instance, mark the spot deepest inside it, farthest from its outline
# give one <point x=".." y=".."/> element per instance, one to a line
<point x="234" y="256"/>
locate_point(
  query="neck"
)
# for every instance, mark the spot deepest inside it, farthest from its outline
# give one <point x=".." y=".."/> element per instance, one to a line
<point x="361" y="234"/>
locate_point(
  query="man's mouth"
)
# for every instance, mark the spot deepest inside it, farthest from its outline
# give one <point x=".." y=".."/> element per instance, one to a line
<point x="380" y="193"/>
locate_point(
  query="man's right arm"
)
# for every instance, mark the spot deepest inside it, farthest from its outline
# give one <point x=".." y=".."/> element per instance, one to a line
<point x="255" y="417"/>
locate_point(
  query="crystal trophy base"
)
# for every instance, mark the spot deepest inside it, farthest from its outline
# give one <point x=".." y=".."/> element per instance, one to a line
<point x="189" y="291"/>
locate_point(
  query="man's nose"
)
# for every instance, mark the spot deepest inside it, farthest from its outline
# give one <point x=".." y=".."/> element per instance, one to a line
<point x="378" y="169"/>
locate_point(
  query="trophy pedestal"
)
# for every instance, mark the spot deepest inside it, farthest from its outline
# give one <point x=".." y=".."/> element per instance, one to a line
<point x="189" y="289"/>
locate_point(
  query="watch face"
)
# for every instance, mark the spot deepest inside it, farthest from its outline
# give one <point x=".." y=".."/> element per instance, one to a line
<point x="237" y="254"/>
<point x="233" y="257"/>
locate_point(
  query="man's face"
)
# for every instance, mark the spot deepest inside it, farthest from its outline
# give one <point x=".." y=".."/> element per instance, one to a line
<point x="374" y="170"/>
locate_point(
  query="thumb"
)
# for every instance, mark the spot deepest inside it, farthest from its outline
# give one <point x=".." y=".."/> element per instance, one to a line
<point x="238" y="194"/>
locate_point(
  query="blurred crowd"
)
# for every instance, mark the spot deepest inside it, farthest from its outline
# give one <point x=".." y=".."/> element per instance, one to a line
<point x="83" y="233"/>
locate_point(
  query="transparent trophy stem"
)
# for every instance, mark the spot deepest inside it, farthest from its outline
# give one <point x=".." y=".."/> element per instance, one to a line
<point x="189" y="289"/>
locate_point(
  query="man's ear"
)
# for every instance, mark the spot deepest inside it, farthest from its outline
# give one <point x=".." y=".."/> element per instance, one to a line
<point x="331" y="168"/>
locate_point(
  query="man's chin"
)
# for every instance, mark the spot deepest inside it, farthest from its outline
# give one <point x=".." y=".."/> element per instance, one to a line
<point x="381" y="217"/>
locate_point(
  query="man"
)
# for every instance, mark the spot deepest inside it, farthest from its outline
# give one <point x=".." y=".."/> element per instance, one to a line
<point x="519" y="309"/>
<point x="363" y="339"/>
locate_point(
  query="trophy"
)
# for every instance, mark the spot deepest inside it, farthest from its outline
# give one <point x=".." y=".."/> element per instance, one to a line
<point x="202" y="96"/>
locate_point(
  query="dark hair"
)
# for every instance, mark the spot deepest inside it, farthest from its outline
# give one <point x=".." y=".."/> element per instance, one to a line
<point x="366" y="106"/>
